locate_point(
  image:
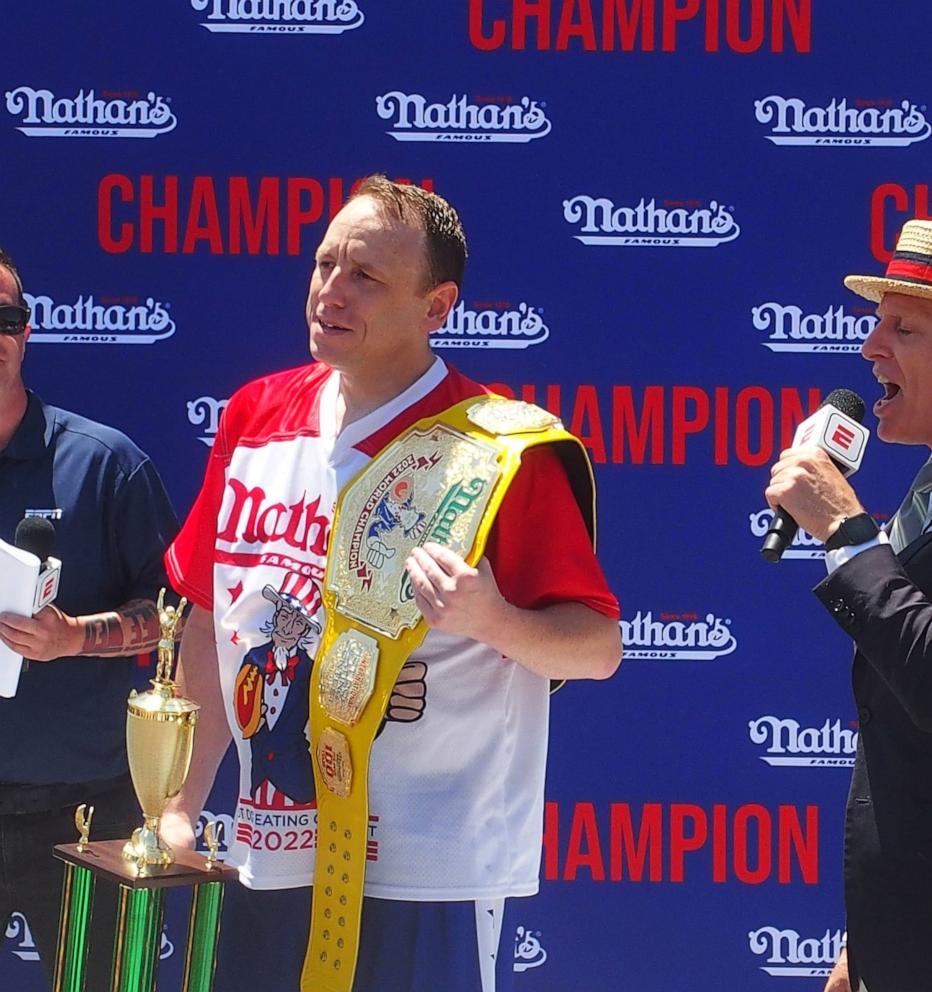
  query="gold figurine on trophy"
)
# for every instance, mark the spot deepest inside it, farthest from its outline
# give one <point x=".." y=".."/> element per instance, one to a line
<point x="159" y="740"/>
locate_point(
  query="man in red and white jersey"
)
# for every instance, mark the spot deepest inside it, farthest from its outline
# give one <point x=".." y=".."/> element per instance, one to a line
<point x="456" y="774"/>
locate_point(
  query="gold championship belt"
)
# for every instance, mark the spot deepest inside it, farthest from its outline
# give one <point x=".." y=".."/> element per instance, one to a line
<point x="443" y="480"/>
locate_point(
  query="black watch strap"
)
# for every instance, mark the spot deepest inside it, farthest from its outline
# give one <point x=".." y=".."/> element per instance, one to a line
<point x="853" y="530"/>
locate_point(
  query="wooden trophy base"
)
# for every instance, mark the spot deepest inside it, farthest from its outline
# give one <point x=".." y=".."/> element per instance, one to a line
<point x="105" y="859"/>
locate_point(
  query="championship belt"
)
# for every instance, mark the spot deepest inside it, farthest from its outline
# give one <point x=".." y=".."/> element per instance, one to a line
<point x="443" y="480"/>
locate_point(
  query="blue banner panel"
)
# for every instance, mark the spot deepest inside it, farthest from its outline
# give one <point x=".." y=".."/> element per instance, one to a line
<point x="661" y="199"/>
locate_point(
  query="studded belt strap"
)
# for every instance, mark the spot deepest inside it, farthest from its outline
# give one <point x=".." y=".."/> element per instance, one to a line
<point x="443" y="480"/>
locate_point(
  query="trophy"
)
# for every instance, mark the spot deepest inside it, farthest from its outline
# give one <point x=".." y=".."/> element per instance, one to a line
<point x="159" y="741"/>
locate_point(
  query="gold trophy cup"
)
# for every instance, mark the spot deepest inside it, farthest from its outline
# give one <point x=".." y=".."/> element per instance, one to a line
<point x="159" y="738"/>
<point x="159" y="741"/>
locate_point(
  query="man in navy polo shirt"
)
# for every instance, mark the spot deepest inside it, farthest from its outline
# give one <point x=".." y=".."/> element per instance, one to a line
<point x="62" y="736"/>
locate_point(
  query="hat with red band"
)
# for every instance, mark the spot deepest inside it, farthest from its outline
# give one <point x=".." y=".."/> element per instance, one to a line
<point x="909" y="271"/>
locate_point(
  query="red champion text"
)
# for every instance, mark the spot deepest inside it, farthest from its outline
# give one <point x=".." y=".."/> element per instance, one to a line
<point x="743" y="26"/>
<point x="670" y="425"/>
<point x="232" y="216"/>
<point x="659" y="842"/>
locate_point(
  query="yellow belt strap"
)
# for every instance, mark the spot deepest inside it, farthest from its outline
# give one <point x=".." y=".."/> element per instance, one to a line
<point x="361" y="653"/>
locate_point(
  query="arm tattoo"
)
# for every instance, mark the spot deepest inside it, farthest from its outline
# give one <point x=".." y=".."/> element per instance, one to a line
<point x="132" y="628"/>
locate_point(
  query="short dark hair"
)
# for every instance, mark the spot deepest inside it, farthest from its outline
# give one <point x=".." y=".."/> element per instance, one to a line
<point x="7" y="262"/>
<point x="446" y="241"/>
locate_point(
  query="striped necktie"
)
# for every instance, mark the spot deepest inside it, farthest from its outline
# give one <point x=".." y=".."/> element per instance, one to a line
<point x="912" y="518"/>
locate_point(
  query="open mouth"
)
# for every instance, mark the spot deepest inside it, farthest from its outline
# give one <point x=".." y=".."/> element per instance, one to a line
<point x="890" y="391"/>
<point x="328" y="328"/>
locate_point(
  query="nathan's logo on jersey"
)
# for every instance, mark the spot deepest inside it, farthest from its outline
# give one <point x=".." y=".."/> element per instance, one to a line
<point x="669" y="223"/>
<point x="492" y="325"/>
<point x="280" y="16"/>
<point x="250" y="516"/>
<point x="677" y="637"/>
<point x="858" y="123"/>
<point x="831" y="332"/>
<point x="529" y="952"/>
<point x="804" y="545"/>
<point x="415" y="118"/>
<point x="18" y="933"/>
<point x="111" y="115"/>
<point x="111" y="320"/>
<point x="205" y="412"/>
<point x="788" y="955"/>
<point x="789" y="744"/>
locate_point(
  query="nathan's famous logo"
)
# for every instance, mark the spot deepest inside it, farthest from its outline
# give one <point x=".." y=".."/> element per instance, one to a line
<point x="788" y="955"/>
<point x="788" y="743"/>
<point x="458" y="499"/>
<point x="804" y="544"/>
<point x="23" y="945"/>
<point x="492" y="325"/>
<point x="858" y="123"/>
<point x="111" y="320"/>
<point x="677" y="637"/>
<point x="223" y="830"/>
<point x="415" y="118"/>
<point x="249" y="515"/>
<point x="111" y="115"/>
<point x="669" y="223"/>
<point x="280" y="16"/>
<point x="529" y="952"/>
<point x="831" y="332"/>
<point x="205" y="412"/>
<point x="20" y="936"/>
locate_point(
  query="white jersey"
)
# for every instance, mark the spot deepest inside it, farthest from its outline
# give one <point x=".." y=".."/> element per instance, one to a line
<point x="455" y="792"/>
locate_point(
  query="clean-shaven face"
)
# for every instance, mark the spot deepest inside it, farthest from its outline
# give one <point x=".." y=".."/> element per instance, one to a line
<point x="900" y="348"/>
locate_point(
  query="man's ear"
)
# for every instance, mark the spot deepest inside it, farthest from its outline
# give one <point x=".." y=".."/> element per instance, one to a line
<point x="442" y="300"/>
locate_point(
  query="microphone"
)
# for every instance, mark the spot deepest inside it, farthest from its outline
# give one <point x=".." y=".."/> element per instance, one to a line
<point x="835" y="428"/>
<point x="37" y="536"/>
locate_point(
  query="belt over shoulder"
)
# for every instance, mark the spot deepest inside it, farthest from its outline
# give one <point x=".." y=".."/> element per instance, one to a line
<point x="442" y="480"/>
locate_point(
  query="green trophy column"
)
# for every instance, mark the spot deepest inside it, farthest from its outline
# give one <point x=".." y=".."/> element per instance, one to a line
<point x="76" y="902"/>
<point x="203" y="931"/>
<point x="139" y="934"/>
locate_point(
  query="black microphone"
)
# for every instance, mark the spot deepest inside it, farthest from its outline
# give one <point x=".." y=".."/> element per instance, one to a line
<point x="35" y="535"/>
<point x="836" y="428"/>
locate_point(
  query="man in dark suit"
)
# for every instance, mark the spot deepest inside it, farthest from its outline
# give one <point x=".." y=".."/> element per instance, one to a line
<point x="879" y="590"/>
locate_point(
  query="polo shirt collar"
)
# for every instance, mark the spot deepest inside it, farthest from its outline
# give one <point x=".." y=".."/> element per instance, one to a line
<point x="34" y="433"/>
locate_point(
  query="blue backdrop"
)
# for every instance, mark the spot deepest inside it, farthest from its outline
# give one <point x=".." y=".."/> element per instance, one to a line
<point x="661" y="198"/>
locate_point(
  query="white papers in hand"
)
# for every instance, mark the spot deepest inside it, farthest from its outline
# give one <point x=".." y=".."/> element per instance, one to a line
<point x="19" y="572"/>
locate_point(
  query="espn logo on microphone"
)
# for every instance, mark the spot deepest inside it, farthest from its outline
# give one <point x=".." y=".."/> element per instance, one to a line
<point x="841" y="437"/>
<point x="47" y="584"/>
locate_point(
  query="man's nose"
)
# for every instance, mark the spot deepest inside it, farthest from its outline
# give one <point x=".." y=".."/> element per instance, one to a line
<point x="332" y="288"/>
<point x="877" y="343"/>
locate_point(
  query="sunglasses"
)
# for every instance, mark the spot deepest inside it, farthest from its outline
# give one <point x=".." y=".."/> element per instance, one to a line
<point x="13" y="318"/>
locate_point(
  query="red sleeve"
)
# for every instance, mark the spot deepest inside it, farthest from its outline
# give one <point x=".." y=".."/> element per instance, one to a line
<point x="539" y="548"/>
<point x="190" y="557"/>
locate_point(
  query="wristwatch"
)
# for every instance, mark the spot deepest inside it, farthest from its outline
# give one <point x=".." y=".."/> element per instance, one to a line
<point x="853" y="530"/>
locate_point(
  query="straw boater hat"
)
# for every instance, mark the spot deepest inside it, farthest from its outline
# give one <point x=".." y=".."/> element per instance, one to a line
<point x="909" y="271"/>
